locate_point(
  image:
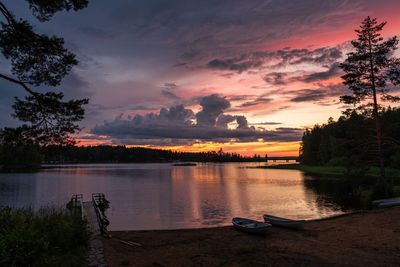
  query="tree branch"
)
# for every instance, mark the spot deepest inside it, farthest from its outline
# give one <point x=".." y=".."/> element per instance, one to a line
<point x="33" y="93"/>
<point x="6" y="13"/>
<point x="10" y="79"/>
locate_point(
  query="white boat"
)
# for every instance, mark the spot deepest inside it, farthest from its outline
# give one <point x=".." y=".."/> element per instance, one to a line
<point x="389" y="202"/>
<point x="250" y="226"/>
<point x="283" y="222"/>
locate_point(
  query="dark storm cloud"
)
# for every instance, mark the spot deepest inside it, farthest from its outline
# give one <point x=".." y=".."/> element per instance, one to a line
<point x="176" y="125"/>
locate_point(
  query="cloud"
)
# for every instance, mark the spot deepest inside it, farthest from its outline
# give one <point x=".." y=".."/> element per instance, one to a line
<point x="266" y="123"/>
<point x="75" y="86"/>
<point x="212" y="106"/>
<point x="237" y="65"/>
<point x="285" y="78"/>
<point x="128" y="47"/>
<point x="176" y="125"/>
<point x="242" y="122"/>
<point x="223" y="120"/>
<point x="276" y="78"/>
<point x="259" y="100"/>
<point x="170" y="95"/>
<point x="332" y="71"/>
<point x="322" y="55"/>
<point x="307" y="95"/>
<point x="278" y="58"/>
<point x="319" y="94"/>
<point x="168" y="91"/>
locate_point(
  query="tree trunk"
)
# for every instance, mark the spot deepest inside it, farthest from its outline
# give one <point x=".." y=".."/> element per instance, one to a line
<point x="376" y="115"/>
<point x="379" y="137"/>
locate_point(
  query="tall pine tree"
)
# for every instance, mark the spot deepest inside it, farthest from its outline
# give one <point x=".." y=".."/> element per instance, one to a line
<point x="370" y="72"/>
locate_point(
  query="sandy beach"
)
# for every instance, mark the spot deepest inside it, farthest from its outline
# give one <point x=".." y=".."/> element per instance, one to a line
<point x="363" y="239"/>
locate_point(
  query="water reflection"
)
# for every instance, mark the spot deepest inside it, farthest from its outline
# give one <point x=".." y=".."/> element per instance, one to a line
<point x="161" y="196"/>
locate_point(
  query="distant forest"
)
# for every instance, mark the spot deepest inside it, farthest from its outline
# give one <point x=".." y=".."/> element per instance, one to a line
<point x="350" y="141"/>
<point x="122" y="154"/>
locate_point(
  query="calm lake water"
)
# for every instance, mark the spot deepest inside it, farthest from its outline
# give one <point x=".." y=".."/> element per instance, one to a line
<point x="162" y="196"/>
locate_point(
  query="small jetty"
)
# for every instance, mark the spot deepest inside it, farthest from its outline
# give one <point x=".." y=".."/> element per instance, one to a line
<point x="184" y="164"/>
<point x="94" y="213"/>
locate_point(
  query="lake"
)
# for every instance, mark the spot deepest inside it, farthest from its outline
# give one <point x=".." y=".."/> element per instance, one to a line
<point x="162" y="196"/>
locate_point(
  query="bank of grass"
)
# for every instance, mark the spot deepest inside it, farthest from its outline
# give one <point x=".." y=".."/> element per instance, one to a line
<point x="332" y="170"/>
<point x="48" y="237"/>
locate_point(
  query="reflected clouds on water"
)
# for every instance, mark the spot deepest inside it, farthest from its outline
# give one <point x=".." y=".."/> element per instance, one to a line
<point x="162" y="196"/>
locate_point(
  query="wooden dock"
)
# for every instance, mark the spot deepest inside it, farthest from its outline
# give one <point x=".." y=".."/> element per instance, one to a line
<point x="89" y="214"/>
<point x="94" y="214"/>
<point x="92" y="211"/>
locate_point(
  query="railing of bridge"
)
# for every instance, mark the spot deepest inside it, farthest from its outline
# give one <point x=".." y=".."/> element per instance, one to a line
<point x="75" y="205"/>
<point x="100" y="205"/>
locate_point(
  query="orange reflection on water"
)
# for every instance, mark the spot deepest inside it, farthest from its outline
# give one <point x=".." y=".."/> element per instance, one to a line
<point x="214" y="194"/>
<point x="162" y="196"/>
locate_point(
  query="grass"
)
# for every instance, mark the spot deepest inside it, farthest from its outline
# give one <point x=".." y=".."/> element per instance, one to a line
<point x="332" y="170"/>
<point x="49" y="237"/>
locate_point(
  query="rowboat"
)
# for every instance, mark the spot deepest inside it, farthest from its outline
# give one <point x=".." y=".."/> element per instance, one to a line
<point x="389" y="202"/>
<point x="250" y="226"/>
<point x="283" y="222"/>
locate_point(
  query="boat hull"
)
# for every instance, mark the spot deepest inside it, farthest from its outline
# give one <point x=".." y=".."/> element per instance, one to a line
<point x="283" y="222"/>
<point x="389" y="202"/>
<point x="250" y="226"/>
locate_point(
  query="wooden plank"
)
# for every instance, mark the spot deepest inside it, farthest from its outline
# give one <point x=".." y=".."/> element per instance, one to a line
<point x="90" y="215"/>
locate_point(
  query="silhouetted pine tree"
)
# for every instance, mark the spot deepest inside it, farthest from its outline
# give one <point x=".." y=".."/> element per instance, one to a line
<point x="39" y="60"/>
<point x="368" y="70"/>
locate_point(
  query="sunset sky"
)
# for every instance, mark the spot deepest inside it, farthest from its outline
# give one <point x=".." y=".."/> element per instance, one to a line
<point x="245" y="76"/>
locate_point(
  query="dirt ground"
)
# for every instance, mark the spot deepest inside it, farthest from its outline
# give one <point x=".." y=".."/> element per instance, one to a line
<point x="363" y="239"/>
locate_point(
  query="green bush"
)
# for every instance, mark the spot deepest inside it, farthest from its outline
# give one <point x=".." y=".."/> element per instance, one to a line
<point x="49" y="237"/>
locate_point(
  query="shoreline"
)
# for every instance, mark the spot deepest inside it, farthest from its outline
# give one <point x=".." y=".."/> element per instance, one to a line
<point x="355" y="239"/>
<point x="330" y="171"/>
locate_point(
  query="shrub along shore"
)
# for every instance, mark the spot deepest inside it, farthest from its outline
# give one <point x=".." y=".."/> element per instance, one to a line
<point x="48" y="237"/>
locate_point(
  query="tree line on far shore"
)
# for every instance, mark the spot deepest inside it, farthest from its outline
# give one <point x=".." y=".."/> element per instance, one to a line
<point x="350" y="141"/>
<point x="31" y="156"/>
<point x="123" y="154"/>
